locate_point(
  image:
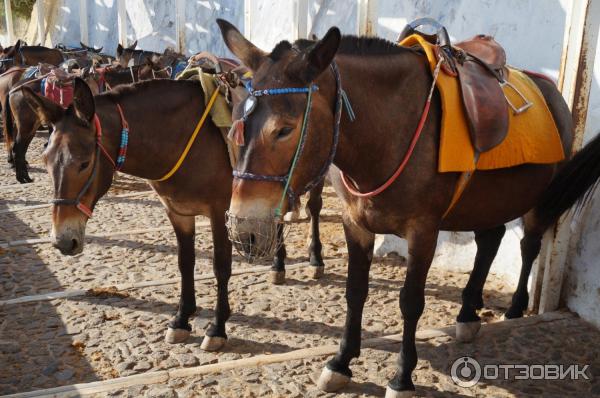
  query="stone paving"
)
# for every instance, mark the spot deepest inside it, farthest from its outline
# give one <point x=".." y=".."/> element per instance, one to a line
<point x="120" y="333"/>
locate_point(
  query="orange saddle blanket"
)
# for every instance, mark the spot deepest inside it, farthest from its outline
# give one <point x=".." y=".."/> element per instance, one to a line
<point x="532" y="135"/>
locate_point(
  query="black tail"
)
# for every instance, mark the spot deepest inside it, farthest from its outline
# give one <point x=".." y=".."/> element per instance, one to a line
<point x="8" y="122"/>
<point x="571" y="184"/>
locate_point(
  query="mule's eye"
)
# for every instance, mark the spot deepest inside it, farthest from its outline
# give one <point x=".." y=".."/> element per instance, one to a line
<point x="84" y="166"/>
<point x="284" y="132"/>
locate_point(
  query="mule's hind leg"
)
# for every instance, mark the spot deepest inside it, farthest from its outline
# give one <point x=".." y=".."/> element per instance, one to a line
<point x="26" y="124"/>
<point x="179" y="328"/>
<point x="336" y="373"/>
<point x="277" y="273"/>
<point x="467" y="321"/>
<point x="315" y="249"/>
<point x="530" y="248"/>
<point x="216" y="336"/>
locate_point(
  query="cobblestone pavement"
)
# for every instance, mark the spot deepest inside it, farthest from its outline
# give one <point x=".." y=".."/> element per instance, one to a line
<point x="108" y="334"/>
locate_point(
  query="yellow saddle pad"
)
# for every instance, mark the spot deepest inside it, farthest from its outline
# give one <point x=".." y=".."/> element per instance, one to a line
<point x="532" y="136"/>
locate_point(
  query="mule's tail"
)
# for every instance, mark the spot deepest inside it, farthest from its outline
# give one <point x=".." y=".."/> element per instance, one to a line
<point x="572" y="184"/>
<point x="7" y="121"/>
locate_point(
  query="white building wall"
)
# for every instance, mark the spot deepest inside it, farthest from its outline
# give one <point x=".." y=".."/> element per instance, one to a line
<point x="532" y="32"/>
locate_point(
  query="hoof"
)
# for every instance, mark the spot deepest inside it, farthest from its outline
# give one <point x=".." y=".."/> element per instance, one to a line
<point x="466" y="331"/>
<point x="331" y="381"/>
<point x="316" y="272"/>
<point x="277" y="277"/>
<point x="292" y="216"/>
<point x="391" y="393"/>
<point x="175" y="336"/>
<point x="213" y="343"/>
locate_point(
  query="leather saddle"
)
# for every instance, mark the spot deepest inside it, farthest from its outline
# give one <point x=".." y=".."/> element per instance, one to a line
<point x="480" y="65"/>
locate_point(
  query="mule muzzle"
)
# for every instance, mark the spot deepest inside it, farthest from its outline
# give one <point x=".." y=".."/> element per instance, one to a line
<point x="255" y="239"/>
<point x="69" y="245"/>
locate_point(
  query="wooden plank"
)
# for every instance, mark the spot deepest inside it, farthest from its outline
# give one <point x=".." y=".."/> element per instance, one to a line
<point x="41" y="23"/>
<point x="122" y="22"/>
<point x="575" y="80"/>
<point x="46" y="205"/>
<point x="301" y="20"/>
<point x="180" y="25"/>
<point x="248" y="19"/>
<point x="83" y="22"/>
<point x="10" y="31"/>
<point x="37" y="241"/>
<point x="140" y="285"/>
<point x="156" y="377"/>
<point x="367" y="17"/>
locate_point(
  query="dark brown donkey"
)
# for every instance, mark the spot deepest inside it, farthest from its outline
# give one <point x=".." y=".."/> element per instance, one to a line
<point x="202" y="186"/>
<point x="20" y="55"/>
<point x="388" y="87"/>
<point x="22" y="123"/>
<point x="128" y="56"/>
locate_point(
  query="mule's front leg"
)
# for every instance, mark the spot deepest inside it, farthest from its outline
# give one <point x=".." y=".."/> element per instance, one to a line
<point x="277" y="273"/>
<point x="179" y="328"/>
<point x="216" y="336"/>
<point x="315" y="249"/>
<point x="337" y="372"/>
<point x="421" y="248"/>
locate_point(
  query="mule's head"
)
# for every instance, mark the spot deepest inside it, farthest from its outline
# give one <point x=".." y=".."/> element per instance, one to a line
<point x="152" y="70"/>
<point x="78" y="171"/>
<point x="273" y="129"/>
<point x="9" y="57"/>
<point x="125" y="54"/>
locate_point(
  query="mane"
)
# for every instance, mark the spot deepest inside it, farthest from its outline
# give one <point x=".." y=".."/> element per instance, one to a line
<point x="140" y="88"/>
<point x="354" y="45"/>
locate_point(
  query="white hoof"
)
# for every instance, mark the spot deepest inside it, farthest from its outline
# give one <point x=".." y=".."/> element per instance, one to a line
<point x="277" y="277"/>
<point x="331" y="381"/>
<point x="292" y="216"/>
<point x="175" y="336"/>
<point x="317" y="272"/>
<point x="213" y="343"/>
<point x="466" y="331"/>
<point x="391" y="393"/>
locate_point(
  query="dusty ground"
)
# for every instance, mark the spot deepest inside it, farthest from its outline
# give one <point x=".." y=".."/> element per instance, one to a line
<point x="100" y="336"/>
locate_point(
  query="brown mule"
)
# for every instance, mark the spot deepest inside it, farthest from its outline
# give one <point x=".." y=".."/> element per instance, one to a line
<point x="22" y="122"/>
<point x="20" y="55"/>
<point x="388" y="86"/>
<point x="128" y="56"/>
<point x="8" y="80"/>
<point x="201" y="186"/>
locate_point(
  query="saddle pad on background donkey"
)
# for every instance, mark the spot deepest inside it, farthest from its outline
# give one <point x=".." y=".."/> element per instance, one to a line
<point x="58" y="89"/>
<point x="532" y="136"/>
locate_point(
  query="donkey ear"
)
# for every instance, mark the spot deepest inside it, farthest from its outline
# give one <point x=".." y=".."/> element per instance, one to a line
<point x="119" y="49"/>
<point x="309" y="65"/>
<point x="83" y="101"/>
<point x="133" y="46"/>
<point x="247" y="52"/>
<point x="323" y="52"/>
<point x="47" y="111"/>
